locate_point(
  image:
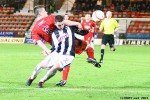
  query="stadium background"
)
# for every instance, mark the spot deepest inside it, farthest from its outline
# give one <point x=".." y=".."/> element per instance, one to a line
<point x="124" y="74"/>
<point x="17" y="19"/>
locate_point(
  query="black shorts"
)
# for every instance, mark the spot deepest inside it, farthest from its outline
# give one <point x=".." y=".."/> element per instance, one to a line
<point x="108" y="38"/>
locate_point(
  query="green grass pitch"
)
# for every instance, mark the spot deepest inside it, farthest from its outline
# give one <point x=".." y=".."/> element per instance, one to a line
<point x="125" y="74"/>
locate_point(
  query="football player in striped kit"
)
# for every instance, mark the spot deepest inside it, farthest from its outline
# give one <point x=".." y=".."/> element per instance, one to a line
<point x="63" y="49"/>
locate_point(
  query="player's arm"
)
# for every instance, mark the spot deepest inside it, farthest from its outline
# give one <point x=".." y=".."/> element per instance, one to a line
<point x="72" y="23"/>
<point x="37" y="41"/>
<point x="117" y="26"/>
<point x="94" y="26"/>
<point x="46" y="50"/>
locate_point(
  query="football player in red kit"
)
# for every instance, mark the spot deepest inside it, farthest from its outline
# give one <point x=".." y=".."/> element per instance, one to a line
<point x="44" y="26"/>
<point x="88" y="24"/>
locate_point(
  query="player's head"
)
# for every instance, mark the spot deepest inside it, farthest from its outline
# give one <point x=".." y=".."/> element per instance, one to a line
<point x="87" y="17"/>
<point x="59" y="21"/>
<point x="108" y="14"/>
<point x="40" y="11"/>
<point x="66" y="17"/>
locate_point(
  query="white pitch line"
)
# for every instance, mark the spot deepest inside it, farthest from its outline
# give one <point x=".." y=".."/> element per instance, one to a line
<point x="80" y="89"/>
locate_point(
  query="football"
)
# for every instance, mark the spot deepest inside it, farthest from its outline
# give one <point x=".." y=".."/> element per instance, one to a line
<point x="98" y="15"/>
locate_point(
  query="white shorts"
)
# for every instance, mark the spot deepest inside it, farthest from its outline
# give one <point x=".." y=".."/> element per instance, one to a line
<point x="55" y="58"/>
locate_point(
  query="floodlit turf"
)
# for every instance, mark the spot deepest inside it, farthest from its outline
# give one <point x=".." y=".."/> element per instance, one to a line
<point x="124" y="75"/>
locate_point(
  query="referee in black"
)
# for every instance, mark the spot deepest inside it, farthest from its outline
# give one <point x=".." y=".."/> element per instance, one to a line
<point x="108" y="26"/>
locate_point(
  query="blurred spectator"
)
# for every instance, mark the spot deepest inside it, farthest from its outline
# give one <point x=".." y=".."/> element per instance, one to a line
<point x="98" y="5"/>
<point x="92" y="5"/>
<point x="126" y="2"/>
<point x="147" y="3"/>
<point x="132" y="1"/>
<point x="108" y="2"/>
<point x="134" y="7"/>
<point x="87" y="7"/>
<point x="75" y="8"/>
<point x="83" y="7"/>
<point x="94" y="1"/>
<point x="3" y="3"/>
<point x="118" y="8"/>
<point x="122" y="7"/>
<point x="130" y="9"/>
<point x="138" y="7"/>
<point x="143" y="7"/>
<point x="112" y="7"/>
<point x="87" y="1"/>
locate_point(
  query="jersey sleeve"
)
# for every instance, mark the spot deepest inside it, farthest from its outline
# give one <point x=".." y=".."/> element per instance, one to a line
<point x="82" y="24"/>
<point x="116" y="23"/>
<point x="35" y="37"/>
<point x="94" y="25"/>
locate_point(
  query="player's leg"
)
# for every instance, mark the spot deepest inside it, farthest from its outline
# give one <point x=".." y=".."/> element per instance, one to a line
<point x="90" y="49"/>
<point x="51" y="72"/>
<point x="90" y="52"/>
<point x="59" y="62"/>
<point x="37" y="70"/>
<point x="94" y="62"/>
<point x="104" y="42"/>
<point x="65" y="74"/>
<point x="102" y="53"/>
<point x="111" y="43"/>
<point x="91" y="58"/>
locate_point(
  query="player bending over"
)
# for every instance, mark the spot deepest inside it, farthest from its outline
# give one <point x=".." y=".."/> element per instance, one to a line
<point x="42" y="31"/>
<point x="62" y="55"/>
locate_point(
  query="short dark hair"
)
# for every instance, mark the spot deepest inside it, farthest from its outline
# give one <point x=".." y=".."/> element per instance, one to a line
<point x="59" y="18"/>
<point x="37" y="9"/>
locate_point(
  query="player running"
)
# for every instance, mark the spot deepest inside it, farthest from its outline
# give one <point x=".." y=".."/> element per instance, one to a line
<point x="90" y="25"/>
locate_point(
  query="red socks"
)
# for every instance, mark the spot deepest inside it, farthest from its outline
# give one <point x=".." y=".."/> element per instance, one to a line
<point x="65" y="73"/>
<point x="90" y="52"/>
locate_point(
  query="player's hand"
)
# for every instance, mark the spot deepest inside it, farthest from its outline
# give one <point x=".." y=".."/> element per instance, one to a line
<point x="46" y="53"/>
<point x="91" y="30"/>
<point x="79" y="26"/>
<point x="79" y="29"/>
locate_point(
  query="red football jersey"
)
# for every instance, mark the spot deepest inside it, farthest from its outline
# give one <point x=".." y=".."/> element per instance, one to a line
<point x="43" y="29"/>
<point x="90" y="25"/>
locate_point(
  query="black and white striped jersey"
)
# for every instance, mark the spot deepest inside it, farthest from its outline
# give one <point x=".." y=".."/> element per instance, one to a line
<point x="63" y="41"/>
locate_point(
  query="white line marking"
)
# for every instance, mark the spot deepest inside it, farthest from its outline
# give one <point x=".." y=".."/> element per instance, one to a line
<point x="80" y="89"/>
